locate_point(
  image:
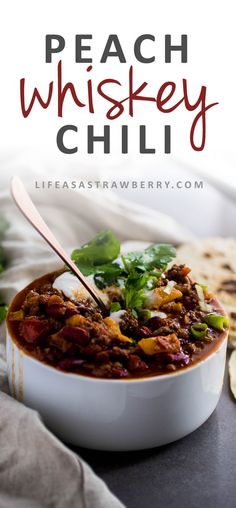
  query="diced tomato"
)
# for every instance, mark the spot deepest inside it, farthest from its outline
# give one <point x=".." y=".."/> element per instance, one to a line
<point x="33" y="328"/>
<point x="185" y="270"/>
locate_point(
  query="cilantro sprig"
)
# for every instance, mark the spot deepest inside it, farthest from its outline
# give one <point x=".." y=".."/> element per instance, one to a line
<point x="155" y="256"/>
<point x="135" y="272"/>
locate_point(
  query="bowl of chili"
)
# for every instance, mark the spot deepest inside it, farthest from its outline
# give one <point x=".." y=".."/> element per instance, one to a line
<point x="147" y="374"/>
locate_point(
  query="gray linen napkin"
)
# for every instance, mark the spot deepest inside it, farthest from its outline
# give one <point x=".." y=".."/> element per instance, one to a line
<point x="38" y="470"/>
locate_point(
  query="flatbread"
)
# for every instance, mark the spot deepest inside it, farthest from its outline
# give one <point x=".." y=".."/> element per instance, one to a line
<point x="232" y="372"/>
<point x="213" y="262"/>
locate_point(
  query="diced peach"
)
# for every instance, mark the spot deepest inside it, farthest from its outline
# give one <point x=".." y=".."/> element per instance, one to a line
<point x="160" y="297"/>
<point x="55" y="299"/>
<point x="76" y="320"/>
<point x="115" y="330"/>
<point x="161" y="344"/>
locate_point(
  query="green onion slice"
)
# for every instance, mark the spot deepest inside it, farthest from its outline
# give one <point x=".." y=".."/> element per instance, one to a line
<point x="204" y="287"/>
<point x="199" y="330"/>
<point x="217" y="321"/>
<point x="145" y="314"/>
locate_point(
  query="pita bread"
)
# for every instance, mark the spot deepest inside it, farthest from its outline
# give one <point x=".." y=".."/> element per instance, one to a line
<point x="213" y="262"/>
<point x="232" y="372"/>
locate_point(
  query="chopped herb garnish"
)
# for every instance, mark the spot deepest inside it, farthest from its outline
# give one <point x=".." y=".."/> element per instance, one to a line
<point x="115" y="307"/>
<point x="136" y="272"/>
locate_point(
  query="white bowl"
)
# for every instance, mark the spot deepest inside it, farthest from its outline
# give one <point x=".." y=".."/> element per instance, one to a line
<point x="118" y="414"/>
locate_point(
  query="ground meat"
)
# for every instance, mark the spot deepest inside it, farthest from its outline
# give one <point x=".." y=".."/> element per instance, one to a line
<point x="129" y="324"/>
<point x="31" y="305"/>
<point x="114" y="293"/>
<point x="135" y="363"/>
<point x="85" y="308"/>
<point x="183" y="333"/>
<point x="176" y="273"/>
<point x="118" y="352"/>
<point x="195" y="316"/>
<point x="110" y="370"/>
<point x="169" y="326"/>
<point x="172" y="308"/>
<point x="60" y="343"/>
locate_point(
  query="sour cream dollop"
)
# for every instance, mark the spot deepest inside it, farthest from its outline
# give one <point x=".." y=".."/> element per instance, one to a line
<point x="72" y="288"/>
<point x="116" y="316"/>
<point x="150" y="299"/>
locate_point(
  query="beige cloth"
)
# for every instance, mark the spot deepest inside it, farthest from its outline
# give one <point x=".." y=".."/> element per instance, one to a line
<point x="36" y="469"/>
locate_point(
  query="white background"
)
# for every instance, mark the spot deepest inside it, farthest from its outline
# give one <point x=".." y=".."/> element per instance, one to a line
<point x="30" y="144"/>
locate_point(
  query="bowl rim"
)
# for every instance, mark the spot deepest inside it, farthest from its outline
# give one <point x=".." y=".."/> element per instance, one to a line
<point x="140" y="380"/>
<point x="137" y="380"/>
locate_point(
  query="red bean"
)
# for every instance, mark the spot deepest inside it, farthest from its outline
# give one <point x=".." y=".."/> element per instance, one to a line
<point x="76" y="334"/>
<point x="71" y="312"/>
<point x="70" y="363"/>
<point x="155" y="322"/>
<point x="143" y="331"/>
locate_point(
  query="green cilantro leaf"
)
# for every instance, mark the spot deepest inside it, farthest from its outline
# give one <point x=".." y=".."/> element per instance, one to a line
<point x="104" y="248"/>
<point x="3" y="312"/>
<point x="134" y="289"/>
<point x="107" y="275"/>
<point x="155" y="256"/>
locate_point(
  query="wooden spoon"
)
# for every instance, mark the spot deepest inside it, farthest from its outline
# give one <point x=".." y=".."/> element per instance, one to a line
<point x="26" y="206"/>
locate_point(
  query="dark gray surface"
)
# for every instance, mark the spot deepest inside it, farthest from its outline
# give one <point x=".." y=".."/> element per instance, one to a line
<point x="197" y="471"/>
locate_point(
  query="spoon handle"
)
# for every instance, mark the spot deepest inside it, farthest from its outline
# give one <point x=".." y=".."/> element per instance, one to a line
<point x="26" y="206"/>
